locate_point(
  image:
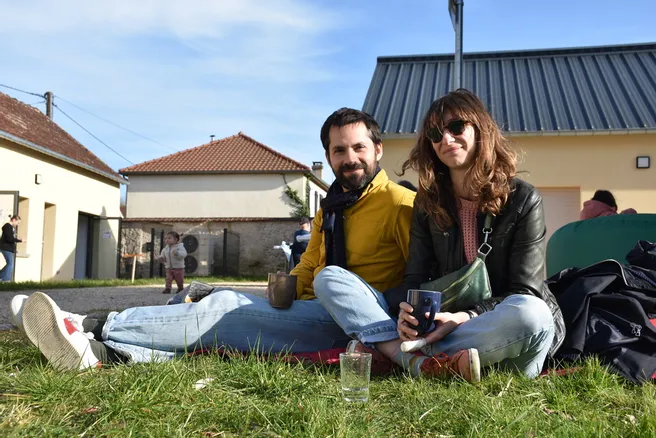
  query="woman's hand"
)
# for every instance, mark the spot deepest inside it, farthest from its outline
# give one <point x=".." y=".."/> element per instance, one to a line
<point x="446" y="322"/>
<point x="406" y="332"/>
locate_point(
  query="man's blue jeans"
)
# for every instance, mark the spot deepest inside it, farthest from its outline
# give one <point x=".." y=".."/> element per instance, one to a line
<point x="8" y="269"/>
<point x="223" y="319"/>
<point x="517" y="333"/>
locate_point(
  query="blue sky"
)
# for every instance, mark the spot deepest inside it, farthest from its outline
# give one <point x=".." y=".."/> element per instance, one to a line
<point x="177" y="71"/>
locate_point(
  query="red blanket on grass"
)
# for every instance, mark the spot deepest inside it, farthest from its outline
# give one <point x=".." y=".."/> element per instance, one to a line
<point x="331" y="357"/>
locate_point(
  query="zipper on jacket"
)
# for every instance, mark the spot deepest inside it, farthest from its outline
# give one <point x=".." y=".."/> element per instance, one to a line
<point x="445" y="268"/>
<point x="636" y="330"/>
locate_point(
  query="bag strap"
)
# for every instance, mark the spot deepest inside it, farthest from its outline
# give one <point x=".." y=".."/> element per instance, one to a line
<point x="485" y="247"/>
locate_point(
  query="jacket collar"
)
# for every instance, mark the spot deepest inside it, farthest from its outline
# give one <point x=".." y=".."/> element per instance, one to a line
<point x="379" y="180"/>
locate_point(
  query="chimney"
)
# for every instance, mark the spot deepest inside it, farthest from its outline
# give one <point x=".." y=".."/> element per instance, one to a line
<point x="317" y="169"/>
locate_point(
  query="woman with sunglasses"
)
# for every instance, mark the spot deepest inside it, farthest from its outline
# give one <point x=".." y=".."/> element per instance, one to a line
<point x="467" y="170"/>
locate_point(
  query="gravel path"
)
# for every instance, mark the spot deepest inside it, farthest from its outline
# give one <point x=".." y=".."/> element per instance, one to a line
<point x="98" y="301"/>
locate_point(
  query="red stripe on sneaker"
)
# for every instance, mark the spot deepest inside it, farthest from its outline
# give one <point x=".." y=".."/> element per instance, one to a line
<point x="70" y="328"/>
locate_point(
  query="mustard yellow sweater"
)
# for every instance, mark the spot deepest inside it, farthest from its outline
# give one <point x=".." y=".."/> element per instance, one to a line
<point x="377" y="230"/>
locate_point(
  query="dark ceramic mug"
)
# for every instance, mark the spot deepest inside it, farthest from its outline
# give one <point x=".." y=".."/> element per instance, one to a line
<point x="422" y="302"/>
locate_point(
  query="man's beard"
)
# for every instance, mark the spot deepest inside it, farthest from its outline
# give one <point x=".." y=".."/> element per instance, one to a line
<point x="356" y="181"/>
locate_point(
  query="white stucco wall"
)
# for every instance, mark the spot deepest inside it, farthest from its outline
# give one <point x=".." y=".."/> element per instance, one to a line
<point x="67" y="190"/>
<point x="217" y="195"/>
<point x="315" y="200"/>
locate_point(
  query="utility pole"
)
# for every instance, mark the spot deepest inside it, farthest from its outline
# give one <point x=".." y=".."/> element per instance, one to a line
<point x="49" y="97"/>
<point x="455" y="10"/>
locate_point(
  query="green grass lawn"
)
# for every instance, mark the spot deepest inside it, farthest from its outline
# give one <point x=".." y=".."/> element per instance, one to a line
<point x="255" y="397"/>
<point x="74" y="284"/>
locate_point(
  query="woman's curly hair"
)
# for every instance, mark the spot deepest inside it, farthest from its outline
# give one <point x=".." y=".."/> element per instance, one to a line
<point x="489" y="177"/>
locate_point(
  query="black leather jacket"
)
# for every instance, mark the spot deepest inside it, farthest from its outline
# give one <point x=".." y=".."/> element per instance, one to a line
<point x="516" y="264"/>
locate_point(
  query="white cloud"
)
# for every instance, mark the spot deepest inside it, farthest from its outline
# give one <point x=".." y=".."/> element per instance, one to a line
<point x="187" y="18"/>
<point x="177" y="71"/>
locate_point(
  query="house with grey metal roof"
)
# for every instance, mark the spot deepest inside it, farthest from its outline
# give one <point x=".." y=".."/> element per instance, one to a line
<point x="582" y="118"/>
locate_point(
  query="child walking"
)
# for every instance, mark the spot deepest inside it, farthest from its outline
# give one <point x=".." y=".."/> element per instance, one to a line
<point x="173" y="255"/>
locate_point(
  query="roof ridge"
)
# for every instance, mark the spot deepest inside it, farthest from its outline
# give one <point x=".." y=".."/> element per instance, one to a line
<point x="21" y="102"/>
<point x="54" y="125"/>
<point x="275" y="152"/>
<point x="212" y="142"/>
<point x="550" y="51"/>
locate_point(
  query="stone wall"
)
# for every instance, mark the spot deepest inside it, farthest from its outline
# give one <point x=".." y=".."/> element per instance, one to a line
<point x="134" y="239"/>
<point x="256" y="242"/>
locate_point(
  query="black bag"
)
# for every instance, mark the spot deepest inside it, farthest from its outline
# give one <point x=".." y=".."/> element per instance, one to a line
<point x="643" y="255"/>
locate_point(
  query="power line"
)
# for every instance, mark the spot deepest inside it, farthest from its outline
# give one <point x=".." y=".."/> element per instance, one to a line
<point x="22" y="91"/>
<point x="115" y="124"/>
<point x="37" y="103"/>
<point x="88" y="132"/>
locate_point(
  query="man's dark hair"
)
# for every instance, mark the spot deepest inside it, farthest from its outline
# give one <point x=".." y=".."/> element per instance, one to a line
<point x="606" y="197"/>
<point x="15" y="217"/>
<point x="304" y="220"/>
<point x="349" y="116"/>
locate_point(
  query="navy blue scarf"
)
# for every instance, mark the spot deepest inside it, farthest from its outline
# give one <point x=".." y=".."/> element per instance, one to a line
<point x="333" y="206"/>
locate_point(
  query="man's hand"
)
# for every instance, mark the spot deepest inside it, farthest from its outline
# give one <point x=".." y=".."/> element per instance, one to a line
<point x="446" y="322"/>
<point x="266" y="291"/>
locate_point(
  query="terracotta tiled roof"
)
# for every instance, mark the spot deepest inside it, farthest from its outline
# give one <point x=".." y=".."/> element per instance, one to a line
<point x="30" y="124"/>
<point x="238" y="153"/>
<point x="210" y="219"/>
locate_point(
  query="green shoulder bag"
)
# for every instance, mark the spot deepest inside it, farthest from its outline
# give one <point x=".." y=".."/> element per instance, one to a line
<point x="469" y="285"/>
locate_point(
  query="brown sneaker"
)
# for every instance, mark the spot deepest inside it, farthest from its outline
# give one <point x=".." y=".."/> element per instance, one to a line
<point x="464" y="363"/>
<point x="166" y="291"/>
<point x="380" y="364"/>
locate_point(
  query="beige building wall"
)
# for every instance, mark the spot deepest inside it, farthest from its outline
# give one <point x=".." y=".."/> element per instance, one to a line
<point x="216" y="195"/>
<point x="586" y="162"/>
<point x="316" y="195"/>
<point x="49" y="213"/>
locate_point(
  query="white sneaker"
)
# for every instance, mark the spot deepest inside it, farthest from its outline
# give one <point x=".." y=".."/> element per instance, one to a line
<point x="56" y="335"/>
<point x="17" y="303"/>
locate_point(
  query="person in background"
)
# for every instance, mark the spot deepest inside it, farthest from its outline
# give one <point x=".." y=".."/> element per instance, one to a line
<point x="8" y="242"/>
<point x="602" y="204"/>
<point x="173" y="255"/>
<point x="299" y="247"/>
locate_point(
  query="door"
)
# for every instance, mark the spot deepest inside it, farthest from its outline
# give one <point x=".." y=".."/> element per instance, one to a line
<point x="104" y="244"/>
<point x="48" y="243"/>
<point x="82" y="267"/>
<point x="561" y="206"/>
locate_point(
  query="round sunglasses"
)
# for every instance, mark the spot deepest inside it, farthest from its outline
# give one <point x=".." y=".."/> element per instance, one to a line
<point x="455" y="127"/>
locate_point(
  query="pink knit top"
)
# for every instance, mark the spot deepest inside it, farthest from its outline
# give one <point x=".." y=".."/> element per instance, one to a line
<point x="467" y="213"/>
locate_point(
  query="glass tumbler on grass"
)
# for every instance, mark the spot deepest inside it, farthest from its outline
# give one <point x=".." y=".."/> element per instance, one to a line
<point x="355" y="369"/>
